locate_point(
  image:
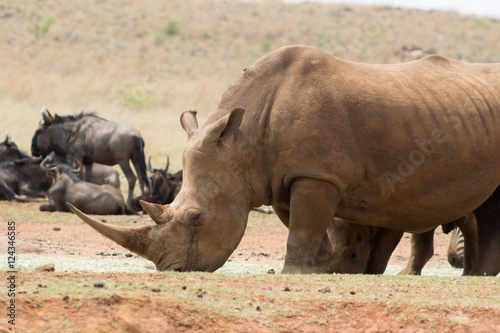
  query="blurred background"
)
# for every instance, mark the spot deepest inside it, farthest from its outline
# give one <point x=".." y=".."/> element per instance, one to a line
<point x="145" y="62"/>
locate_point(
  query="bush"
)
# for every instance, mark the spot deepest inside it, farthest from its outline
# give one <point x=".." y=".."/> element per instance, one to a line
<point x="137" y="97"/>
<point x="172" y="28"/>
<point x="41" y="27"/>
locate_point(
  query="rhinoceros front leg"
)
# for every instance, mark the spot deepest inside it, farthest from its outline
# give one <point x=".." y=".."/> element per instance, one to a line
<point x="325" y="248"/>
<point x="312" y="207"/>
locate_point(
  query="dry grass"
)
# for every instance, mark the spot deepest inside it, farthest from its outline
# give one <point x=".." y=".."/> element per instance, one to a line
<point x="111" y="56"/>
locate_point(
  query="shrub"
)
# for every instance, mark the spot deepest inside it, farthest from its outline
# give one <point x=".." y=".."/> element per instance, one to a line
<point x="172" y="28"/>
<point x="137" y="97"/>
<point x="41" y="27"/>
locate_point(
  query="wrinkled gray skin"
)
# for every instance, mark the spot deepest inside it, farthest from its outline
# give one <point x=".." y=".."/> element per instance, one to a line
<point x="317" y="137"/>
<point x="88" y="197"/>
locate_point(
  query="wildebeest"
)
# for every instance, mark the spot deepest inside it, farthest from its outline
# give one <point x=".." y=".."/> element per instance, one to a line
<point x="103" y="174"/>
<point x="20" y="175"/>
<point x="407" y="146"/>
<point x="67" y="187"/>
<point x="22" y="179"/>
<point x="9" y="150"/>
<point x="164" y="186"/>
<point x="93" y="139"/>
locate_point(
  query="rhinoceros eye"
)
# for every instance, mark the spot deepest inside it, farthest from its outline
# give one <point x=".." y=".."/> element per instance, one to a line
<point x="194" y="217"/>
<point x="196" y="220"/>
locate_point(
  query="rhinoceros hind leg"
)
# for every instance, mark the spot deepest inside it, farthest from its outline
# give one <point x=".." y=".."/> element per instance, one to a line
<point x="422" y="249"/>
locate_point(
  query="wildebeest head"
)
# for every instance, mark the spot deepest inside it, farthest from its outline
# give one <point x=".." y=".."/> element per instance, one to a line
<point x="158" y="181"/>
<point x="206" y="221"/>
<point x="164" y="186"/>
<point x="52" y="133"/>
<point x="9" y="150"/>
<point x="54" y="167"/>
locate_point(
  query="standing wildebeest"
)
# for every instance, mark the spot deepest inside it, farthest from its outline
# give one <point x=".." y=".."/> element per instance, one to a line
<point x="93" y="139"/>
<point x="67" y="187"/>
<point x="407" y="146"/>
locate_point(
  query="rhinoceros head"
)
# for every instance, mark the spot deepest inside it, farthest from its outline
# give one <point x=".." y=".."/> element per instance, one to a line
<point x="200" y="229"/>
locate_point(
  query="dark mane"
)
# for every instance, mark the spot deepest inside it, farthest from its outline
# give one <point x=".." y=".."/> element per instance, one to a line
<point x="75" y="117"/>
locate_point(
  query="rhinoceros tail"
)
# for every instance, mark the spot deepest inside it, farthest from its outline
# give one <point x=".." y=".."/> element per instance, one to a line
<point x="141" y="170"/>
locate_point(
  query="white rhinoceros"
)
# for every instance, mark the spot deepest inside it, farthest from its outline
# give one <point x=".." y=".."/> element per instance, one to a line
<point x="405" y="146"/>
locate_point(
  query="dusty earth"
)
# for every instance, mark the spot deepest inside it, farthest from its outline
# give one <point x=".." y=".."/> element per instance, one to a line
<point x="153" y="302"/>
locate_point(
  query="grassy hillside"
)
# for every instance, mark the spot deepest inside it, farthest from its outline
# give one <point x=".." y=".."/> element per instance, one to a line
<point x="146" y="62"/>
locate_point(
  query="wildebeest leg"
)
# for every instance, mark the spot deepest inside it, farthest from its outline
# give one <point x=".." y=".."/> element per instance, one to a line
<point x="422" y="249"/>
<point x="468" y="227"/>
<point x="312" y="208"/>
<point x="381" y="247"/>
<point x="87" y="172"/>
<point x="131" y="178"/>
<point x="6" y="191"/>
<point x="48" y="207"/>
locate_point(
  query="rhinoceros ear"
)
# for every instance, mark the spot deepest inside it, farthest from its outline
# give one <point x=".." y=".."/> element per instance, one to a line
<point x="225" y="127"/>
<point x="189" y="122"/>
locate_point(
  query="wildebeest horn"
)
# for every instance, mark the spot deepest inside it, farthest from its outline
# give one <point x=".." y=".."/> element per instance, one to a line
<point x="45" y="165"/>
<point x="47" y="117"/>
<point x="136" y="240"/>
<point x="168" y="163"/>
<point x="6" y="137"/>
<point x="161" y="214"/>
<point x="189" y="122"/>
<point x="149" y="165"/>
<point x="78" y="166"/>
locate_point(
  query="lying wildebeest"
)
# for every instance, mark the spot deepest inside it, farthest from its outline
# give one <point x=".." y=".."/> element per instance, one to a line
<point x="93" y="139"/>
<point x="67" y="187"/>
<point x="9" y="150"/>
<point x="103" y="174"/>
<point x="22" y="179"/>
<point x="360" y="249"/>
<point x="164" y="186"/>
<point x="408" y="146"/>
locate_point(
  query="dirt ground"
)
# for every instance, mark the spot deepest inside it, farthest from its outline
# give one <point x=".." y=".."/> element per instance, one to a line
<point x="144" y="310"/>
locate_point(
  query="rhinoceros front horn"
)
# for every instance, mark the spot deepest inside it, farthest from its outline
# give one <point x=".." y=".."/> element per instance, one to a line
<point x="136" y="240"/>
